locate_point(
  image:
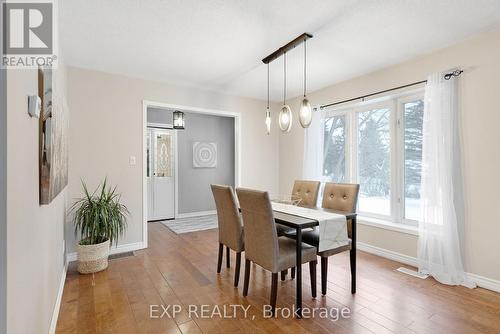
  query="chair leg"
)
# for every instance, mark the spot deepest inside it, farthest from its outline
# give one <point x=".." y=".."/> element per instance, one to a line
<point x="293" y="272"/>
<point x="247" y="277"/>
<point x="353" y="270"/>
<point x="274" y="292"/>
<point x="237" y="269"/>
<point x="219" y="261"/>
<point x="312" y="273"/>
<point x="228" y="257"/>
<point x="324" y="274"/>
<point x="283" y="274"/>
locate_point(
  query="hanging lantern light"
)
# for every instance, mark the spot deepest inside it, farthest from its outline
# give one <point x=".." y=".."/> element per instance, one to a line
<point x="178" y="120"/>
<point x="285" y="115"/>
<point x="305" y="112"/>
<point x="268" y="111"/>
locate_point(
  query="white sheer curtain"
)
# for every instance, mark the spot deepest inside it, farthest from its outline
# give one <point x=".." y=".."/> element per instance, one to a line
<point x="439" y="251"/>
<point x="312" y="167"/>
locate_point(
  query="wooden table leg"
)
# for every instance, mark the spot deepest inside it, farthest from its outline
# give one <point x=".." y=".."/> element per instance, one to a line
<point x="298" y="278"/>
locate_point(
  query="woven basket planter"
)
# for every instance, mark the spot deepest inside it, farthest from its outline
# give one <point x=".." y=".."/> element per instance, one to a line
<point x="92" y="258"/>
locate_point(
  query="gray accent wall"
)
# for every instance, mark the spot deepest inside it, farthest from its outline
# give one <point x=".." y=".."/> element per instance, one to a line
<point x="160" y="116"/>
<point x="194" y="190"/>
<point x="194" y="183"/>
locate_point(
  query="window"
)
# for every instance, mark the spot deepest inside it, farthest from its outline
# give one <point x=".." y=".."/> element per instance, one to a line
<point x="334" y="164"/>
<point x="413" y="116"/>
<point x="379" y="146"/>
<point x="374" y="161"/>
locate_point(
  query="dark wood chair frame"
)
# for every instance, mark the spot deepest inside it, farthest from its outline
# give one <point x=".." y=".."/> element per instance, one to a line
<point x="228" y="262"/>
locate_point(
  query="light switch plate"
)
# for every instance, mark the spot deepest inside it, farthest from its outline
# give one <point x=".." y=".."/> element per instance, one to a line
<point x="132" y="160"/>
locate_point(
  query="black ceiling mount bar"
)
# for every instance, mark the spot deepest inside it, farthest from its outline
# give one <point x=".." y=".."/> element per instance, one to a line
<point x="287" y="47"/>
<point x="447" y="76"/>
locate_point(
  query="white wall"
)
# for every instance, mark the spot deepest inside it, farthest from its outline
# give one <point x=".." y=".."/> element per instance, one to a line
<point x="106" y="129"/>
<point x="480" y="87"/>
<point x="35" y="234"/>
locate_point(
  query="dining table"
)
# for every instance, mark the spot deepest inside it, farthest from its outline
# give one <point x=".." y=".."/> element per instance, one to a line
<point x="300" y="223"/>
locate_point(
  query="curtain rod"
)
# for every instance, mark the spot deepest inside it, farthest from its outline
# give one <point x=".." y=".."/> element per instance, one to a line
<point x="447" y="76"/>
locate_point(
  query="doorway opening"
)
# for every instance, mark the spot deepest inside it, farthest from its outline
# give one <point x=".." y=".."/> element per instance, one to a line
<point x="180" y="165"/>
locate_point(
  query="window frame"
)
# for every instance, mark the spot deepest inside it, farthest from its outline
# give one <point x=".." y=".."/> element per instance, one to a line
<point x="395" y="104"/>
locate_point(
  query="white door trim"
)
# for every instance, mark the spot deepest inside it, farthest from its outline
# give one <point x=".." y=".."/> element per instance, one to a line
<point x="160" y="125"/>
<point x="197" y="110"/>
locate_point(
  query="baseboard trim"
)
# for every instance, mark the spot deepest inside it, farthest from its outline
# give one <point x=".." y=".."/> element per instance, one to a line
<point x="195" y="214"/>
<point x="114" y="250"/>
<point x="481" y="281"/>
<point x="485" y="282"/>
<point x="57" y="306"/>
<point x="388" y="254"/>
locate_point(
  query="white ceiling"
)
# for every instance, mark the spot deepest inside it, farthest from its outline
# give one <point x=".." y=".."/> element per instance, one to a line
<point x="218" y="45"/>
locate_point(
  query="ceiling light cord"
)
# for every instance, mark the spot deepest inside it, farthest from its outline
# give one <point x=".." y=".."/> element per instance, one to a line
<point x="284" y="78"/>
<point x="267" y="86"/>
<point x="305" y="65"/>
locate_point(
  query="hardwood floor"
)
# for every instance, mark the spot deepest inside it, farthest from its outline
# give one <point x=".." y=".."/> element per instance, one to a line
<point x="181" y="270"/>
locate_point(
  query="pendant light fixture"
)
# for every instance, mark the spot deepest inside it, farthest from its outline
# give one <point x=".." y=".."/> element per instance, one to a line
<point x="268" y="111"/>
<point x="305" y="112"/>
<point x="285" y="116"/>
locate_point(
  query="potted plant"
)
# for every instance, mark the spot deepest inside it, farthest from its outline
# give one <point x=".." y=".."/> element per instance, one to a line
<point x="99" y="219"/>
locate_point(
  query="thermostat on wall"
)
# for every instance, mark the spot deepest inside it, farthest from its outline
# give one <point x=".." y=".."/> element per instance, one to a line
<point x="34" y="105"/>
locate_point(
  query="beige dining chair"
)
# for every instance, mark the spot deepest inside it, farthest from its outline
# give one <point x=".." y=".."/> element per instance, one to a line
<point x="264" y="247"/>
<point x="230" y="227"/>
<point x="340" y="197"/>
<point x="307" y="192"/>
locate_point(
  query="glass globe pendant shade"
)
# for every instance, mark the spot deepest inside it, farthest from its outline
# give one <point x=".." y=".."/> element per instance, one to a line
<point x="305" y="113"/>
<point x="285" y="118"/>
<point x="268" y="121"/>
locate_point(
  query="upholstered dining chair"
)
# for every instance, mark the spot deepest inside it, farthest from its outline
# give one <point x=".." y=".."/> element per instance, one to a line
<point x="264" y="247"/>
<point x="307" y="192"/>
<point x="230" y="227"/>
<point x="340" y="197"/>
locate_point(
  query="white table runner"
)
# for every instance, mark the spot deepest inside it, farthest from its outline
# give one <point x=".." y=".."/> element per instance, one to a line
<point x="332" y="226"/>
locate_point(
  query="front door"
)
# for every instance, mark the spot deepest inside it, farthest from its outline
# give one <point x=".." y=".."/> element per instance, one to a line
<point x="160" y="173"/>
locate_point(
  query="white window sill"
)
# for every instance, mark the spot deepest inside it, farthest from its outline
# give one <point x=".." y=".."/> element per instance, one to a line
<point x="387" y="225"/>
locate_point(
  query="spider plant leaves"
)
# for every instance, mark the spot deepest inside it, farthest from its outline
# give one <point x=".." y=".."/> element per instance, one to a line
<point x="99" y="216"/>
